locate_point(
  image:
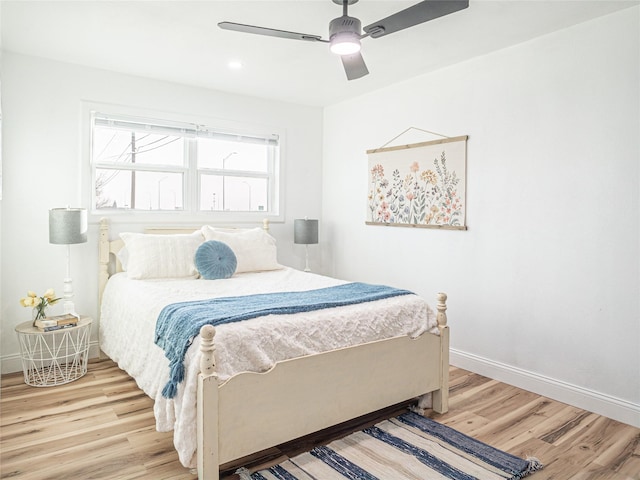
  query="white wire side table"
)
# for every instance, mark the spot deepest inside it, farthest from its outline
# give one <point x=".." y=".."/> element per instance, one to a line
<point x="56" y="357"/>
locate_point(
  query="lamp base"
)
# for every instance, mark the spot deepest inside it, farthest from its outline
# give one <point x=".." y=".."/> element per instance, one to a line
<point x="306" y="258"/>
<point x="68" y="307"/>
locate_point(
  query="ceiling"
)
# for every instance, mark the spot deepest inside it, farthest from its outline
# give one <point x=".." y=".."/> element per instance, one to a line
<point x="179" y="40"/>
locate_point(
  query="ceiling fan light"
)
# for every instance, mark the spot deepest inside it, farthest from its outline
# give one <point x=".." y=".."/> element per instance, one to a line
<point x="346" y="43"/>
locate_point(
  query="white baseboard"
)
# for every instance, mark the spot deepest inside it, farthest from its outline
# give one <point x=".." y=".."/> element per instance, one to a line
<point x="606" y="405"/>
<point x="13" y="363"/>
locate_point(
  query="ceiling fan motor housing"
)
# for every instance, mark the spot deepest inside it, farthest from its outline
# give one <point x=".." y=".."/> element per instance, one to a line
<point x="345" y="24"/>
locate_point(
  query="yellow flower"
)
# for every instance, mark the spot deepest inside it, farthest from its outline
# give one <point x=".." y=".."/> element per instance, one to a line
<point x="33" y="300"/>
<point x="26" y="302"/>
<point x="50" y="297"/>
<point x="429" y="176"/>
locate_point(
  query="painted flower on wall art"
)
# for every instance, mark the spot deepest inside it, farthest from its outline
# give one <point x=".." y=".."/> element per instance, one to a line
<point x="418" y="185"/>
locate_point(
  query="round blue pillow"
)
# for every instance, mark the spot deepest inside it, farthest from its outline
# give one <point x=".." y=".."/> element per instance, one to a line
<point x="215" y="260"/>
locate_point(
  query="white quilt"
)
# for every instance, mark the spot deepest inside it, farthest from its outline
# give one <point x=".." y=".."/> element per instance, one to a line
<point x="130" y="309"/>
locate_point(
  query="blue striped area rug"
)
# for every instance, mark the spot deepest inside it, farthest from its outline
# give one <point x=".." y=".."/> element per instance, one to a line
<point x="409" y="446"/>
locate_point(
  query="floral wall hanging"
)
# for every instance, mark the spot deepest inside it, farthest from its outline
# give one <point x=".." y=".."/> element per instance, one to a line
<point x="419" y="185"/>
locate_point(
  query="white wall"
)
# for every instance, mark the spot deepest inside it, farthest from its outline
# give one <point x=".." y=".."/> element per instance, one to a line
<point x="42" y="107"/>
<point x="544" y="286"/>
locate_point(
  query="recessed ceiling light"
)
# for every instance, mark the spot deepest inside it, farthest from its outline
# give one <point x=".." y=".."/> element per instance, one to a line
<point x="235" y="64"/>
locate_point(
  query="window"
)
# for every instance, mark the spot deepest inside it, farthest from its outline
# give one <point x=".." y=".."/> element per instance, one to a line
<point x="162" y="166"/>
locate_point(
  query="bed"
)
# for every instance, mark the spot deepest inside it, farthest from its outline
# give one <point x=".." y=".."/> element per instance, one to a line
<point x="302" y="378"/>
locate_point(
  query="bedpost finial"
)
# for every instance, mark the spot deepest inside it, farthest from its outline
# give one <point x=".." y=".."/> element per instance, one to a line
<point x="441" y="317"/>
<point x="207" y="350"/>
<point x="265" y="224"/>
<point x="207" y="332"/>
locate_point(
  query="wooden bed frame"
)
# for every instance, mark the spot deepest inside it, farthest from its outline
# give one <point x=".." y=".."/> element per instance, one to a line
<point x="307" y="394"/>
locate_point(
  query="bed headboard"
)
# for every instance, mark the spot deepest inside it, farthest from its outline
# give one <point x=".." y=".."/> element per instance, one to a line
<point x="108" y="262"/>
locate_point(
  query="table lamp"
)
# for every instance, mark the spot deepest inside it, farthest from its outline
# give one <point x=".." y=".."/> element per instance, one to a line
<point x="305" y="232"/>
<point x="68" y="226"/>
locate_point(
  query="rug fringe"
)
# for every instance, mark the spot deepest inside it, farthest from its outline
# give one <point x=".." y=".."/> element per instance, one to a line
<point x="416" y="409"/>
<point x="243" y="473"/>
<point x="533" y="465"/>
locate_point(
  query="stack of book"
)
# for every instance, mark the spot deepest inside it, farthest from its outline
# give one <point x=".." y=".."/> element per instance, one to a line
<point x="57" y="322"/>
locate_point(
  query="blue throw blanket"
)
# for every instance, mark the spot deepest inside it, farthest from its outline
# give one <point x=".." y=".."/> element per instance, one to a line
<point x="179" y="323"/>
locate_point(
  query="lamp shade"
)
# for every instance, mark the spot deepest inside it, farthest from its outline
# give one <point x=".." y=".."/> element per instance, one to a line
<point x="67" y="226"/>
<point x="305" y="231"/>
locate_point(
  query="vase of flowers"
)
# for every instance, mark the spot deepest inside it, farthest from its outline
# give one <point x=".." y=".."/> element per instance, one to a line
<point x="39" y="304"/>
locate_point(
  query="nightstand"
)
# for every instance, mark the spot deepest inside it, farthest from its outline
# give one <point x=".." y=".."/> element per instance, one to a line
<point x="56" y="357"/>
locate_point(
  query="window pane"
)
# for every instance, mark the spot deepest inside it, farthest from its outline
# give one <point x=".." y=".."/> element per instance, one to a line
<point x="210" y="192"/>
<point x="126" y="147"/>
<point x="238" y="194"/>
<point x="111" y="146"/>
<point x="220" y="154"/>
<point x="125" y="189"/>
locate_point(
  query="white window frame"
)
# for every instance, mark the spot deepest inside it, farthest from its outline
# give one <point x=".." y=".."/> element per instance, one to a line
<point x="191" y="213"/>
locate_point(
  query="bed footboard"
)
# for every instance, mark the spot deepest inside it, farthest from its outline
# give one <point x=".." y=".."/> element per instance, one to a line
<point x="304" y="395"/>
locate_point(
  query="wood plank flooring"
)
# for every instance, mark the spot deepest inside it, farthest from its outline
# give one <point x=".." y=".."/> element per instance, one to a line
<point x="102" y="427"/>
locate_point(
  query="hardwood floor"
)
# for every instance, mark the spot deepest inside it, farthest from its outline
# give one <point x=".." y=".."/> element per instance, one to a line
<point x="102" y="427"/>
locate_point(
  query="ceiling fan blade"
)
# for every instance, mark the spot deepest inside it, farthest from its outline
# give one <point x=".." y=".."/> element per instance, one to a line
<point x="272" y="32"/>
<point x="415" y="15"/>
<point x="354" y="66"/>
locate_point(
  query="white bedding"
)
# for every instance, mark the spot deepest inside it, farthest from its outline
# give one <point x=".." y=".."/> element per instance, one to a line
<point x="130" y="309"/>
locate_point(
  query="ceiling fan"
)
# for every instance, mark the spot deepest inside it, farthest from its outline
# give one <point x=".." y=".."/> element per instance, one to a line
<point x="345" y="32"/>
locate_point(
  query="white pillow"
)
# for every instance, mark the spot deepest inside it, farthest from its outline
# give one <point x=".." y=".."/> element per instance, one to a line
<point x="254" y="248"/>
<point x="161" y="256"/>
<point x="123" y="257"/>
